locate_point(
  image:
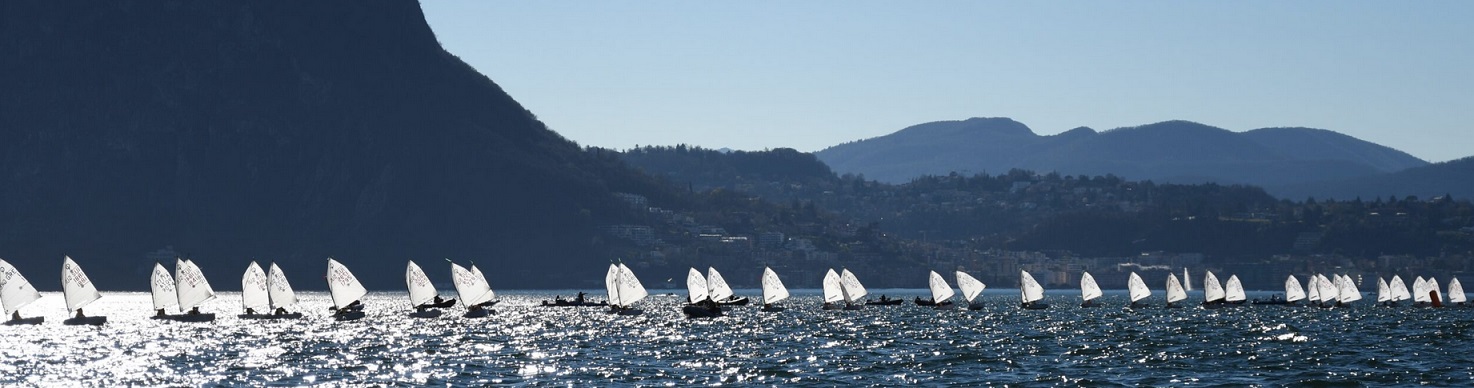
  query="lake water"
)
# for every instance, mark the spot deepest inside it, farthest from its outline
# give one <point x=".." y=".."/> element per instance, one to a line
<point x="523" y="344"/>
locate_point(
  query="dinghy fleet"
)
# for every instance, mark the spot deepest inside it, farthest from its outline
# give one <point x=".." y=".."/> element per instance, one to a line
<point x="268" y="295"/>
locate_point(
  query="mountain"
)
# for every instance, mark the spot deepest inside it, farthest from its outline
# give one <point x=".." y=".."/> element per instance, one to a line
<point x="1455" y="177"/>
<point x="1171" y="151"/>
<point x="281" y="131"/>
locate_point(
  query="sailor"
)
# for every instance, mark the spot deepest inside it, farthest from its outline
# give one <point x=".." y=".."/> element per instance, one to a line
<point x="160" y="313"/>
<point x="579" y="299"/>
<point x="438" y="300"/>
<point x="15" y="315"/>
<point x="250" y="311"/>
<point x="280" y="311"/>
<point x="79" y="314"/>
<point x="194" y="311"/>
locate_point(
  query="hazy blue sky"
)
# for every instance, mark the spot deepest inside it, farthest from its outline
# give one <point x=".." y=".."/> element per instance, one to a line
<point x="811" y="74"/>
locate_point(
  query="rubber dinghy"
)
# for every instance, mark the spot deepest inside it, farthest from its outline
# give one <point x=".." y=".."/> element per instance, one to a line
<point x="79" y="292"/>
<point x="346" y="291"/>
<point x="1031" y="292"/>
<point x="1137" y="289"/>
<point x="1089" y="290"/>
<point x="421" y="292"/>
<point x="474" y="291"/>
<point x="971" y="288"/>
<point x="1175" y="293"/>
<point x="698" y="297"/>
<point x="624" y="290"/>
<point x="17" y="292"/>
<point x="773" y="291"/>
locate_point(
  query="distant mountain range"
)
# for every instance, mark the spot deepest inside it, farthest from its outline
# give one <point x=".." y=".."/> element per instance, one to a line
<point x="1171" y="151"/>
<point x="281" y="131"/>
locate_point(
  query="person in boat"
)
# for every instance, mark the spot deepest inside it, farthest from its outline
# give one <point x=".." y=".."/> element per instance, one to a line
<point x="884" y="298"/>
<point x="438" y="300"/>
<point x="79" y="314"/>
<point x="15" y="315"/>
<point x="160" y="313"/>
<point x="250" y="311"/>
<point x="579" y="298"/>
<point x="280" y="311"/>
<point x="194" y="311"/>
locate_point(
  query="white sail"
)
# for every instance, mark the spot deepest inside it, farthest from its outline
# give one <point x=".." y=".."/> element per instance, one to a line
<point x="611" y="283"/>
<point x="1293" y="292"/>
<point x="1383" y="292"/>
<point x="15" y="290"/>
<point x="1187" y="281"/>
<point x="1314" y="289"/>
<point x="1088" y="289"/>
<point x="344" y="287"/>
<point x="1329" y="290"/>
<point x="1137" y="287"/>
<point x="773" y="289"/>
<point x="470" y="285"/>
<point x="630" y="289"/>
<point x="78" y="290"/>
<point x="1029" y="289"/>
<point x="191" y="285"/>
<point x="833" y="292"/>
<point x="254" y="294"/>
<point x="970" y="286"/>
<point x="940" y="290"/>
<point x="1233" y="290"/>
<point x="1398" y="288"/>
<point x="421" y="291"/>
<point x="161" y="286"/>
<point x="716" y="286"/>
<point x="1212" y="291"/>
<point x="853" y="290"/>
<point x="1432" y="286"/>
<point x="1174" y="289"/>
<point x="279" y="289"/>
<point x="1455" y="291"/>
<point x="1349" y="293"/>
<point x="695" y="286"/>
<point x="1420" y="290"/>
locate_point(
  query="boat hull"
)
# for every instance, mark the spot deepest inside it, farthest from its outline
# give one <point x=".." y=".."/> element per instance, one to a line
<point x="887" y="302"/>
<point x="348" y="315"/>
<point x="441" y="305"/>
<point x="852" y="307"/>
<point x="85" y="321"/>
<point x="974" y="306"/>
<point x="743" y="301"/>
<point x="1034" y="306"/>
<point x="26" y="321"/>
<point x="626" y="311"/>
<point x="432" y="313"/>
<point x="773" y="309"/>
<point x="208" y="317"/>
<point x="270" y="316"/>
<point x="700" y="312"/>
<point x="478" y="313"/>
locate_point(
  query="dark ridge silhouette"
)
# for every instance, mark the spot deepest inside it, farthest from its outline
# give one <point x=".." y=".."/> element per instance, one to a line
<point x="1454" y="177"/>
<point x="1171" y="151"/>
<point x="280" y="131"/>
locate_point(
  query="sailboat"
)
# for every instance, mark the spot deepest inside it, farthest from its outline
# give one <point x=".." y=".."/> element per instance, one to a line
<point x="347" y="292"/>
<point x="699" y="303"/>
<point x="833" y="292"/>
<point x="1330" y="292"/>
<point x="1138" y="289"/>
<point x="1384" y="293"/>
<point x="281" y="294"/>
<point x="1293" y="291"/>
<point x="941" y="292"/>
<point x="1030" y="292"/>
<point x="1398" y="289"/>
<point x="473" y="289"/>
<point x="719" y="291"/>
<point x="1175" y="293"/>
<point x="193" y="290"/>
<point x="773" y="290"/>
<point x="1312" y="291"/>
<point x="1212" y="292"/>
<point x="1089" y="290"/>
<point x="1347" y="291"/>
<point x="1420" y="292"/>
<point x="161" y="287"/>
<point x="78" y="291"/>
<point x="1233" y="291"/>
<point x="624" y="290"/>
<point x="1456" y="292"/>
<point x="254" y="293"/>
<point x="853" y="290"/>
<point x="421" y="292"/>
<point x="971" y="288"/>
<point x="1187" y="281"/>
<point x="17" y="292"/>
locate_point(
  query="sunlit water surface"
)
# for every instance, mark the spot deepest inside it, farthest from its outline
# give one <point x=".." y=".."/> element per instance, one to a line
<point x="523" y="344"/>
